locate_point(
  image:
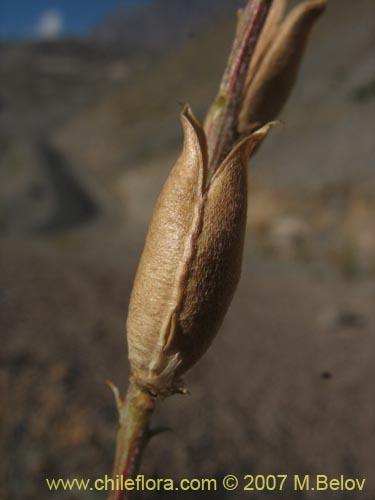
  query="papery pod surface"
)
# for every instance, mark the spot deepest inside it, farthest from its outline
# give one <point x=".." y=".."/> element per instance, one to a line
<point x="191" y="262"/>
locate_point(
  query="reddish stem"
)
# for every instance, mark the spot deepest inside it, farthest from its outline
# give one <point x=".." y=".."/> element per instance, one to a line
<point x="221" y="121"/>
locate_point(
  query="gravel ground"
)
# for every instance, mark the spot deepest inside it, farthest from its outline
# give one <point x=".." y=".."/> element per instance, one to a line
<point x="285" y="389"/>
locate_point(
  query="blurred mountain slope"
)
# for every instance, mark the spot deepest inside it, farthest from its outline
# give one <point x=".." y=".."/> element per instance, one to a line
<point x="114" y="116"/>
<point x="162" y="24"/>
<point x="140" y="120"/>
<point x="312" y="183"/>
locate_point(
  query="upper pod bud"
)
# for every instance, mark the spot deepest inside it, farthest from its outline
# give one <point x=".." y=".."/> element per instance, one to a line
<point x="274" y="66"/>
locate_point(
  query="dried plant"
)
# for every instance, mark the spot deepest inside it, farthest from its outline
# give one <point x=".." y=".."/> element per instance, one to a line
<point x="192" y="257"/>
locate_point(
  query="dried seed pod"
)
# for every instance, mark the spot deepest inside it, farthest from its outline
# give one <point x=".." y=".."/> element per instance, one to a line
<point x="191" y="262"/>
<point x="275" y="65"/>
<point x="269" y="33"/>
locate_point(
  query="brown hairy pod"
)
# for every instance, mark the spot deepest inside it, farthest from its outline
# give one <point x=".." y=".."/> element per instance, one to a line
<point x="191" y="261"/>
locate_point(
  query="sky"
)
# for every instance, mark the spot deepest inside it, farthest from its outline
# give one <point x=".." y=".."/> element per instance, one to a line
<point x="48" y="19"/>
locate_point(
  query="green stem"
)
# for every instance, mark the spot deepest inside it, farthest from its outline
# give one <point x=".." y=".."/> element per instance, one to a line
<point x="135" y="413"/>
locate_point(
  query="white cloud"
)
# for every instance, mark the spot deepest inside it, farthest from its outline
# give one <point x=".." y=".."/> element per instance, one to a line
<point x="49" y="25"/>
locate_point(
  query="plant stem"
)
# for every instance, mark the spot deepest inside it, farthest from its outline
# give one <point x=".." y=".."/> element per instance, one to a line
<point x="134" y="416"/>
<point x="221" y="121"/>
<point x="221" y="131"/>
